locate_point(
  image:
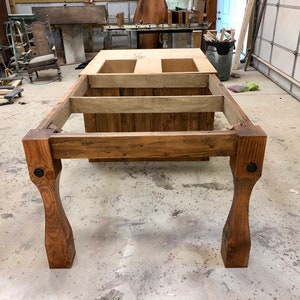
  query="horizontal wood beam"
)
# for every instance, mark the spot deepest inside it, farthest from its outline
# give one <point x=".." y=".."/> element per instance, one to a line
<point x="231" y="109"/>
<point x="62" y="110"/>
<point x="140" y="104"/>
<point x="187" y="145"/>
<point x="66" y="15"/>
<point x="163" y="80"/>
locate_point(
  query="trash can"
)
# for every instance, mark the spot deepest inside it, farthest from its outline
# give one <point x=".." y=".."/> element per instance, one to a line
<point x="220" y="55"/>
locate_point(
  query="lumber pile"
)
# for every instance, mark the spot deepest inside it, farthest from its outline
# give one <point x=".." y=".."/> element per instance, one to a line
<point x="223" y="36"/>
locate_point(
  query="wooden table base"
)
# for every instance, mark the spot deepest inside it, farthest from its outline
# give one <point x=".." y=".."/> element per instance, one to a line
<point x="146" y="117"/>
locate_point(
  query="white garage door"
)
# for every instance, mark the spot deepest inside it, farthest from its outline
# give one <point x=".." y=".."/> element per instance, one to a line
<point x="277" y="47"/>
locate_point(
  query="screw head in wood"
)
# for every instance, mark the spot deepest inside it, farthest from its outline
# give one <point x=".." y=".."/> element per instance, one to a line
<point x="39" y="172"/>
<point x="251" y="167"/>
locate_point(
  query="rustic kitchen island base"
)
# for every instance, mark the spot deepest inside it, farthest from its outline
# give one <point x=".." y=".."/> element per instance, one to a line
<point x="162" y="112"/>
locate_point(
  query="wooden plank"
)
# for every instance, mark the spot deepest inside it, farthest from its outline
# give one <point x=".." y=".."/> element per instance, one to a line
<point x="4" y="91"/>
<point x="199" y="8"/>
<point x="210" y="12"/>
<point x="242" y="35"/>
<point x="149" y="121"/>
<point x="231" y="109"/>
<point x="120" y="19"/>
<point x="143" y="122"/>
<point x="254" y="36"/>
<point x="149" y="81"/>
<point x="161" y="104"/>
<point x="72" y="14"/>
<point x="16" y="83"/>
<point x="169" y="17"/>
<point x="149" y="61"/>
<point x="73" y="43"/>
<point x="61" y="112"/>
<point x="144" y="146"/>
<point x="197" y="38"/>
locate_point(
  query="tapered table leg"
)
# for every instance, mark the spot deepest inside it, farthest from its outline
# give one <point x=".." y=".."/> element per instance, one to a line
<point x="45" y="173"/>
<point x="236" y="240"/>
<point x="246" y="168"/>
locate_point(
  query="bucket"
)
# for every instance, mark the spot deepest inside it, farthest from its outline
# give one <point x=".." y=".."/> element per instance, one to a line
<point x="220" y="56"/>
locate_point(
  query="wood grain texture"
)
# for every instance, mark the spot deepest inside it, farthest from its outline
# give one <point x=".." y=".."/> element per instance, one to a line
<point x="113" y="122"/>
<point x="136" y="117"/>
<point x="143" y="146"/>
<point x="166" y="80"/>
<point x="147" y="104"/>
<point x="72" y="14"/>
<point x="149" y="61"/>
<point x="231" y="109"/>
<point x="62" y="110"/>
<point x="236" y="240"/>
<point x="59" y="240"/>
<point x="150" y="11"/>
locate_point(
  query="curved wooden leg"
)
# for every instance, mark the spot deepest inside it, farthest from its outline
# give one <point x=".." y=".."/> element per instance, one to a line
<point x="59" y="240"/>
<point x="45" y="173"/>
<point x="236" y="240"/>
<point x="246" y="168"/>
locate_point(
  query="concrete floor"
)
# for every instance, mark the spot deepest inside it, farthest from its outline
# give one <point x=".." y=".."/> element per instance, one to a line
<point x="152" y="230"/>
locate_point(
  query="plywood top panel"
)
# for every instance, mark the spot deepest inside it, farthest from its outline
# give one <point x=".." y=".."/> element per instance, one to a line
<point x="149" y="61"/>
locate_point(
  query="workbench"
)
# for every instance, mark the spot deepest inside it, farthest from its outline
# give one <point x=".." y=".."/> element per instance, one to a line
<point x="142" y="105"/>
<point x="169" y="29"/>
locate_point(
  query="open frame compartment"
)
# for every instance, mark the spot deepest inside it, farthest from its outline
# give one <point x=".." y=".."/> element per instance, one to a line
<point x="162" y="116"/>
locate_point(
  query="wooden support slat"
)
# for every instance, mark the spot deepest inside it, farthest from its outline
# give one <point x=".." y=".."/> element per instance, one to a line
<point x="169" y="17"/>
<point x="161" y="104"/>
<point x="148" y="81"/>
<point x="197" y="39"/>
<point x="4" y="91"/>
<point x="120" y="19"/>
<point x="231" y="109"/>
<point x="61" y="112"/>
<point x="144" y="145"/>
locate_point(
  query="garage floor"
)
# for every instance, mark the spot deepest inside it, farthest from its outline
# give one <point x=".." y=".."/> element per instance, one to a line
<point x="151" y="230"/>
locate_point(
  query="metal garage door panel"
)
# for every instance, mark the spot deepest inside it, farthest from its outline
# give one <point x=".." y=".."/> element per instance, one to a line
<point x="296" y="91"/>
<point x="283" y="60"/>
<point x="288" y="2"/>
<point x="286" y="29"/>
<point x="267" y="27"/>
<point x="297" y="71"/>
<point x="264" y="49"/>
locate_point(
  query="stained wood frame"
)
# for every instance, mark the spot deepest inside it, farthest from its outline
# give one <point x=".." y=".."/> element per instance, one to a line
<point x="243" y="142"/>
